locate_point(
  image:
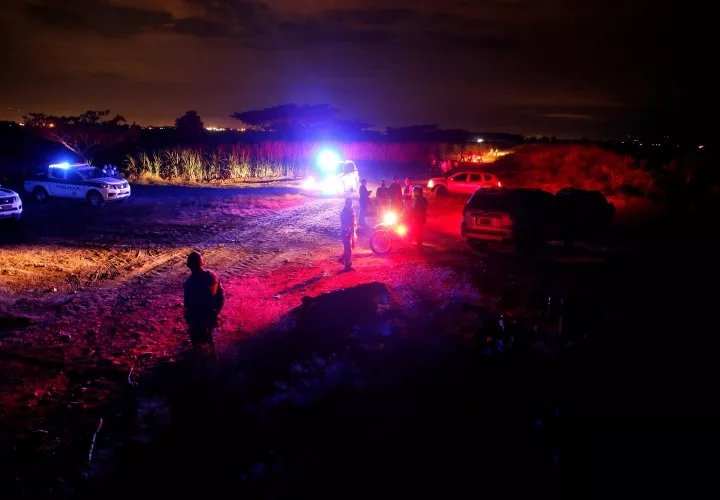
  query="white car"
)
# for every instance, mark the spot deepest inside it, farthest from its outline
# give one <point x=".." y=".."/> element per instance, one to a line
<point x="349" y="177"/>
<point x="80" y="182"/>
<point x="463" y="182"/>
<point x="10" y="204"/>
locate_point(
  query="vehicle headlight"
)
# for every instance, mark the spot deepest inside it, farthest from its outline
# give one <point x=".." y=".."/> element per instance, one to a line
<point x="390" y="218"/>
<point x="105" y="186"/>
<point x="431" y="184"/>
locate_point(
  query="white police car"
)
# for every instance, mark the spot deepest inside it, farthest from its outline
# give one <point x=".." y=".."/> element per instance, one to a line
<point x="10" y="204"/>
<point x="81" y="182"/>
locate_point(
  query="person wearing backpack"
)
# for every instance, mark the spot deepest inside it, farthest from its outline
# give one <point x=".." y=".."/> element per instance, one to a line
<point x="203" y="299"/>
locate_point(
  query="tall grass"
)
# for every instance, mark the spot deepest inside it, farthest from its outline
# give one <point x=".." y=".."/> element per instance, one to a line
<point x="273" y="160"/>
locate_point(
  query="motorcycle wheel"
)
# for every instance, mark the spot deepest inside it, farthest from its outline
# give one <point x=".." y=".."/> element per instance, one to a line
<point x="381" y="241"/>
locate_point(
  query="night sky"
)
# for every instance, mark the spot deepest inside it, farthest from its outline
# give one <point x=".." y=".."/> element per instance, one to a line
<point x="548" y="67"/>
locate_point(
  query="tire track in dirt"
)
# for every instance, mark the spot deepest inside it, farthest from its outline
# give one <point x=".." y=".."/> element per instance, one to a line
<point x="136" y="322"/>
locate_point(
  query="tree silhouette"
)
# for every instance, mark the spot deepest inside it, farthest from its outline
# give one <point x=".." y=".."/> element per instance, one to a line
<point x="83" y="134"/>
<point x="288" y="117"/>
<point x="190" y="126"/>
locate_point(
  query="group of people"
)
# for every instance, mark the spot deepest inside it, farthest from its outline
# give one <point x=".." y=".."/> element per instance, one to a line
<point x="471" y="158"/>
<point x="407" y="200"/>
<point x="204" y="296"/>
<point x="110" y="171"/>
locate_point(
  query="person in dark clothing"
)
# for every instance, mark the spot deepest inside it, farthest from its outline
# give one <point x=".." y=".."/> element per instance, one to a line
<point x="382" y="198"/>
<point x="395" y="195"/>
<point x="418" y="216"/>
<point x="203" y="300"/>
<point x="347" y="231"/>
<point x="407" y="193"/>
<point x="364" y="201"/>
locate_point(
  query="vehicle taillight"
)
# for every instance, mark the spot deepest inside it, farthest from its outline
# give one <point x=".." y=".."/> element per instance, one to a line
<point x="499" y="184"/>
<point x="506" y="221"/>
<point x="401" y="230"/>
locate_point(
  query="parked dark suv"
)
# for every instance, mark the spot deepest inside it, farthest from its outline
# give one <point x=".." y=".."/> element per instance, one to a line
<point x="507" y="215"/>
<point x="529" y="217"/>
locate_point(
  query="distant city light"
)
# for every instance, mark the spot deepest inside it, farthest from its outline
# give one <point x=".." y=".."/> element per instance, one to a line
<point x="223" y="129"/>
<point x="481" y="140"/>
<point x="701" y="146"/>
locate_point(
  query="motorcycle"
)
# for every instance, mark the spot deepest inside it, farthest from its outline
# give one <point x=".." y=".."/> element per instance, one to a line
<point x="385" y="233"/>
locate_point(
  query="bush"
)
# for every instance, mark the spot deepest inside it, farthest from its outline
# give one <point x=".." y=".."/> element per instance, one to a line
<point x="553" y="167"/>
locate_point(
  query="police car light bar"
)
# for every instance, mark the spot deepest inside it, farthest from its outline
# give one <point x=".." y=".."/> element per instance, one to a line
<point x="60" y="165"/>
<point x="328" y="160"/>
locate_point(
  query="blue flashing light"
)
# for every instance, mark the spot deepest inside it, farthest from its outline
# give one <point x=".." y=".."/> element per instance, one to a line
<point x="328" y="160"/>
<point x="60" y="165"/>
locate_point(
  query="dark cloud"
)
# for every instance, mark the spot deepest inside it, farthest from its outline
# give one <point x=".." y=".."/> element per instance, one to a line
<point x="568" y="116"/>
<point x="201" y="28"/>
<point x="56" y="16"/>
<point x="309" y="31"/>
<point x="99" y="16"/>
<point x="374" y="17"/>
<point x="257" y="25"/>
<point x="117" y="21"/>
<point x="232" y="9"/>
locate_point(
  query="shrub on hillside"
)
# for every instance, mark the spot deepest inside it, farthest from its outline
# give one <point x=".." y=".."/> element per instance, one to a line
<point x="553" y="167"/>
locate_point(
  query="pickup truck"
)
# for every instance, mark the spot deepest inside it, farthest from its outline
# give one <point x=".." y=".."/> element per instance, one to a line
<point x="80" y="182"/>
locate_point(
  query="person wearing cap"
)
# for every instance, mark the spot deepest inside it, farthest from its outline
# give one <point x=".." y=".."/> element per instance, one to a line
<point x="203" y="300"/>
<point x="364" y="201"/>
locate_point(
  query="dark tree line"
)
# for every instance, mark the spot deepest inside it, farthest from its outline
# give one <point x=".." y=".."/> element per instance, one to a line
<point x="84" y="134"/>
<point x="95" y="132"/>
